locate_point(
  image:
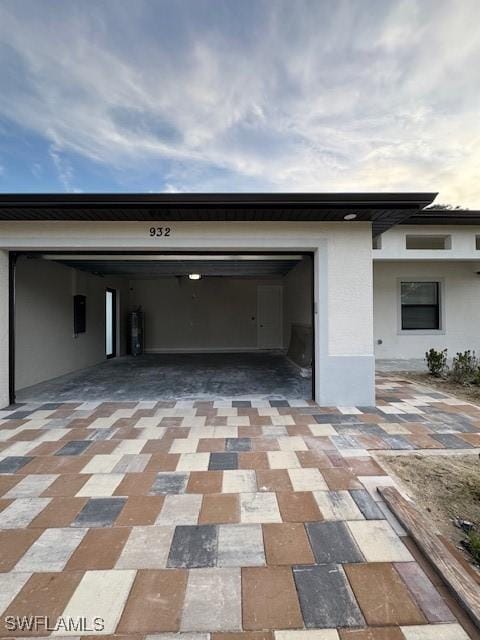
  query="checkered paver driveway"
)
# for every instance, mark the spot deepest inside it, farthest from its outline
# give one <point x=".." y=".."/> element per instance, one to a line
<point x="256" y="519"/>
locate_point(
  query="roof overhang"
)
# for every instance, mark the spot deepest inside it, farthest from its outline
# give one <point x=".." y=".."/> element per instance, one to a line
<point x="383" y="210"/>
<point x="445" y="217"/>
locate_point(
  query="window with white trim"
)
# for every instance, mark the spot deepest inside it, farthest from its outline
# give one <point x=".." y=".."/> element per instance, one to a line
<point x="420" y="305"/>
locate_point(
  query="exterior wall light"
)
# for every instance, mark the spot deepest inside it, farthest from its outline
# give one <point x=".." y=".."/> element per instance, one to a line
<point x="350" y="216"/>
<point x="194" y="276"/>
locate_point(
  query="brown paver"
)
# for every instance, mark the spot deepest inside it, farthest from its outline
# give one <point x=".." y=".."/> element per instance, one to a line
<point x="298" y="506"/>
<point x="99" y="549"/>
<point x="223" y="508"/>
<point x="205" y="482"/>
<point x="253" y="460"/>
<point x="340" y="479"/>
<point x="135" y="484"/>
<point x="66" y="486"/>
<point x="155" y="602"/>
<point x="270" y="599"/>
<point x="44" y="595"/>
<point x="273" y="480"/>
<point x="140" y="510"/>
<point x="245" y="635"/>
<point x="287" y="544"/>
<point x="61" y="512"/>
<point x="382" y="595"/>
<point x="13" y="544"/>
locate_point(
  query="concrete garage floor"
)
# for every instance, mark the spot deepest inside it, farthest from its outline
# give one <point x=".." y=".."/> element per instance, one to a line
<point x="177" y="376"/>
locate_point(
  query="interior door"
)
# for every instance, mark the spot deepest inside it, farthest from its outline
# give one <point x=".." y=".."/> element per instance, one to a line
<point x="269" y="317"/>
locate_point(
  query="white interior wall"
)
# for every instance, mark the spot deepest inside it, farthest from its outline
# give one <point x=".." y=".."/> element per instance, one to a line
<point x="460" y="308"/>
<point x="45" y="346"/>
<point x="211" y="314"/>
<point x="297" y="298"/>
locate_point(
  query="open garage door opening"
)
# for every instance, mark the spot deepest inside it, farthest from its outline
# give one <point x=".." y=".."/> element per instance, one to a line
<point x="121" y="327"/>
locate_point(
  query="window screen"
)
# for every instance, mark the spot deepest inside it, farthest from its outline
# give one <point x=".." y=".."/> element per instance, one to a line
<point x="420" y="305"/>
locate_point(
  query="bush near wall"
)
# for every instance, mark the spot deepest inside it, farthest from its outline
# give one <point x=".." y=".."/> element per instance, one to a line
<point x="465" y="367"/>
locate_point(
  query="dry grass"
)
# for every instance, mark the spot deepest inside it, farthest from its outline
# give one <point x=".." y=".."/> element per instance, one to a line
<point x="470" y="393"/>
<point x="445" y="487"/>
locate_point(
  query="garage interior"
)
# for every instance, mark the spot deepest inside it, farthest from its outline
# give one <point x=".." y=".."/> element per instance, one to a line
<point x="216" y="326"/>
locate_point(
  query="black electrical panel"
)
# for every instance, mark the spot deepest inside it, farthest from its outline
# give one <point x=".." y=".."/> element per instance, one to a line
<point x="79" y="314"/>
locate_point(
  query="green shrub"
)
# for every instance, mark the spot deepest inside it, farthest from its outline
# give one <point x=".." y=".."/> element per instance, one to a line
<point x="473" y="545"/>
<point x="465" y="367"/>
<point x="436" y="361"/>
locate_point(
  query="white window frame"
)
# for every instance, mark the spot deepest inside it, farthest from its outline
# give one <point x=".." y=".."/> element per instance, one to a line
<point x="441" y="305"/>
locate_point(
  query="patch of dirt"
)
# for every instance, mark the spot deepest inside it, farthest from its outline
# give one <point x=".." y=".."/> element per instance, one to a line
<point x="444" y="487"/>
<point x="471" y="393"/>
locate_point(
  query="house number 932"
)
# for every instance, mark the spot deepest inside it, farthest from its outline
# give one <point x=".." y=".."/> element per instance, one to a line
<point x="159" y="232"/>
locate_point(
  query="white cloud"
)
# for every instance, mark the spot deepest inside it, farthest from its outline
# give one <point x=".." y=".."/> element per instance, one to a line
<point x="312" y="96"/>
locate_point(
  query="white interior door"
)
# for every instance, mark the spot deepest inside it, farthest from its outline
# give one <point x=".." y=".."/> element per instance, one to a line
<point x="269" y="317"/>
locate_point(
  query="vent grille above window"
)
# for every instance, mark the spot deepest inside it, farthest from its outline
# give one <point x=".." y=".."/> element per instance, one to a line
<point x="424" y="242"/>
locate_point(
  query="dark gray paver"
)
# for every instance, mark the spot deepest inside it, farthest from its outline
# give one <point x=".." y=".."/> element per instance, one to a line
<point x="398" y="442"/>
<point x="451" y="441"/>
<point x="366" y="504"/>
<point x="169" y="483"/>
<point x="332" y="542"/>
<point x="223" y="460"/>
<point x="74" y="448"/>
<point x="11" y="464"/>
<point x="99" y="512"/>
<point x="326" y="599"/>
<point x="238" y="444"/>
<point x="193" y="547"/>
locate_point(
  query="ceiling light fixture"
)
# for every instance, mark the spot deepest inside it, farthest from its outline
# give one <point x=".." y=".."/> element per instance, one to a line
<point x="350" y="216"/>
<point x="194" y="276"/>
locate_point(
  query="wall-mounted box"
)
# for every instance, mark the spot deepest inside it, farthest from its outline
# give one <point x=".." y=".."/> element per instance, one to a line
<point x="79" y="314"/>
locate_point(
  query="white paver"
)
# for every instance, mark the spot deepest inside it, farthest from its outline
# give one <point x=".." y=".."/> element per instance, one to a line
<point x="51" y="551"/>
<point x="283" y="460"/>
<point x="378" y="541"/>
<point x="100" y="594"/>
<point x="21" y="512"/>
<point x="337" y="505"/>
<point x="146" y="548"/>
<point x="31" y="486"/>
<point x="193" y="462"/>
<point x="240" y="545"/>
<point x="434" y="632"/>
<point x="10" y="585"/>
<point x="259" y="507"/>
<point x="308" y="479"/>
<point x="221" y="586"/>
<point x="101" y="484"/>
<point x="239" y="481"/>
<point x="180" y="509"/>
<point x="102" y="463"/>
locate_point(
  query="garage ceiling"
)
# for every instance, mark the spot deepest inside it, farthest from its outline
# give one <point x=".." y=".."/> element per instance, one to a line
<point x="168" y="266"/>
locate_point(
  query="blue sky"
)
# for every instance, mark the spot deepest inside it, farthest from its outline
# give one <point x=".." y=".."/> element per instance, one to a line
<point x="241" y="95"/>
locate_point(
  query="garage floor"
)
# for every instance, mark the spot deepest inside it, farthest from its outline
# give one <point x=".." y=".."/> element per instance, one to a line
<point x="179" y="377"/>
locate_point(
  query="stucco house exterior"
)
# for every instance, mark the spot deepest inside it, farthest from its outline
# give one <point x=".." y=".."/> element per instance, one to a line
<point x="336" y="280"/>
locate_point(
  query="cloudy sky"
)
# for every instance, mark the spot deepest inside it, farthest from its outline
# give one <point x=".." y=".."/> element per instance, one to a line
<point x="241" y="95"/>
